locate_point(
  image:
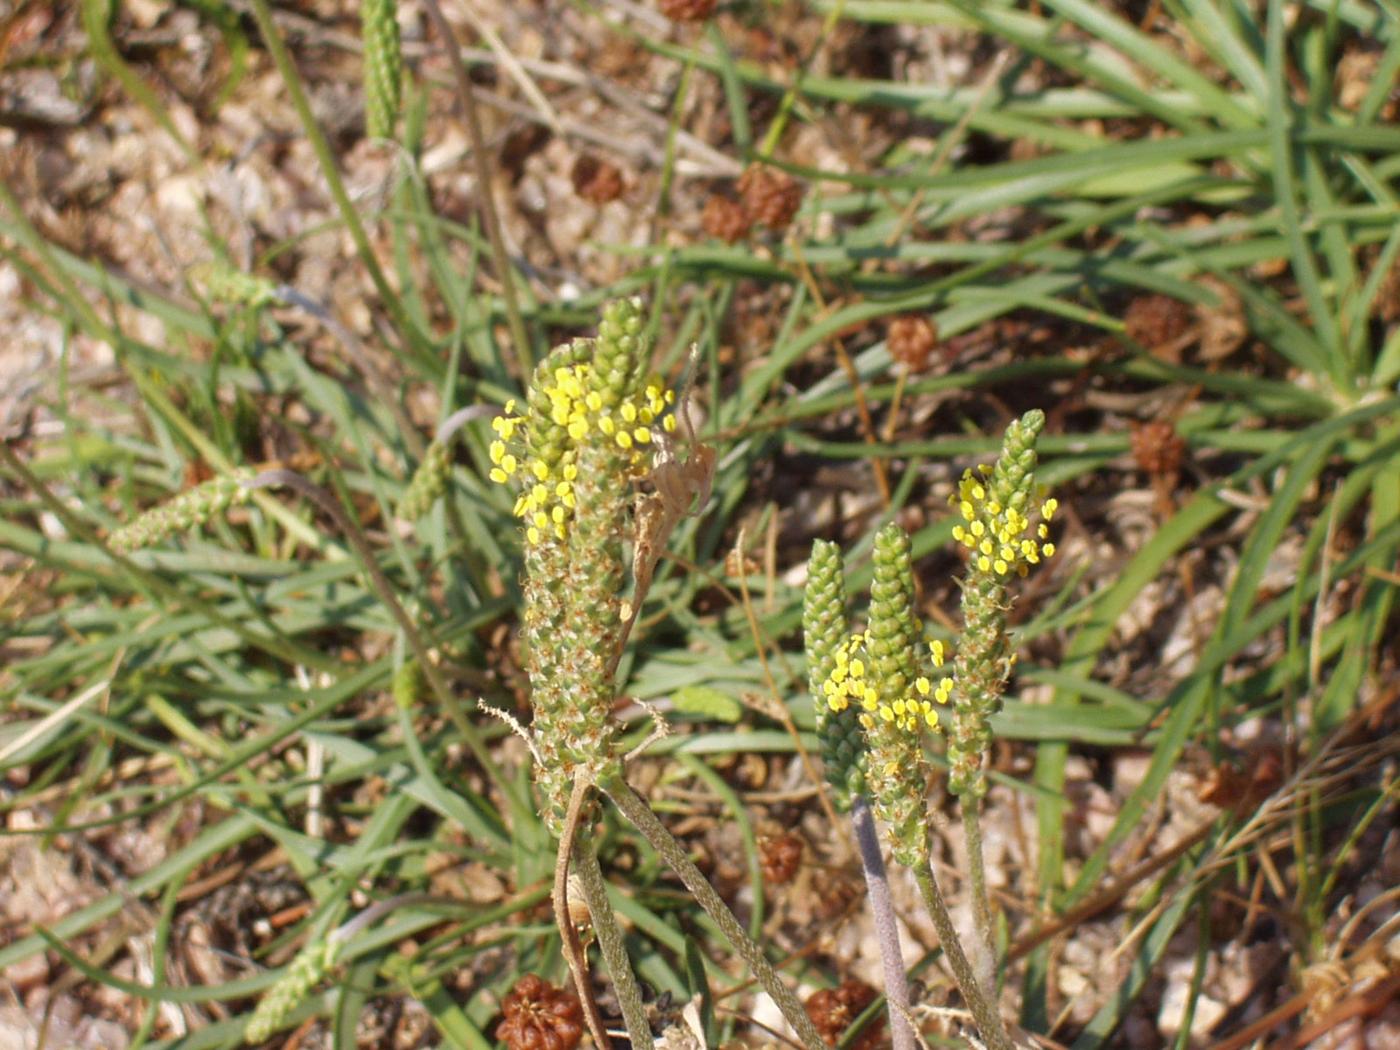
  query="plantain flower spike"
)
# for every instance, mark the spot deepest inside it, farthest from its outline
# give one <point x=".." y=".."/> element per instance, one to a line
<point x="824" y="634"/>
<point x="1004" y="534"/>
<point x="189" y="509"/>
<point x="305" y="972"/>
<point x="590" y="420"/>
<point x="383" y="66"/>
<point x="428" y="483"/>
<point x="879" y="673"/>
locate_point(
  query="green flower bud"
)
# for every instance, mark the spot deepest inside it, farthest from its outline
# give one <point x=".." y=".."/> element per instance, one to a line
<point x="224" y="284"/>
<point x="591" y="416"/>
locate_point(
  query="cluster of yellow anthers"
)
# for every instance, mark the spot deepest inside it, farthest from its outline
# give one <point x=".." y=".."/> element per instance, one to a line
<point x="849" y="682"/>
<point x="547" y="502"/>
<point x="997" y="535"/>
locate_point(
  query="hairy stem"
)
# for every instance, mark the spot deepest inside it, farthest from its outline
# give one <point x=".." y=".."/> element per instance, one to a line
<point x="661" y="840"/>
<point x="984" y="1011"/>
<point x="629" y="992"/>
<point x="977" y="872"/>
<point x="886" y="932"/>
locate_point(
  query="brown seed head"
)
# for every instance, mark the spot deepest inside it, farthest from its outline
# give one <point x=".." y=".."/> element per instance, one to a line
<point x="538" y="1016"/>
<point x="780" y="856"/>
<point x="725" y="219"/>
<point x="687" y="10"/>
<point x="771" y="197"/>
<point x="1156" y="319"/>
<point x="910" y="339"/>
<point x="833" y="1009"/>
<point x="1158" y="448"/>
<point x="596" y="181"/>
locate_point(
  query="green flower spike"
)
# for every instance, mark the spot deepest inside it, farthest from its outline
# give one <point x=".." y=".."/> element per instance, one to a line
<point x="305" y="972"/>
<point x="591" y="417"/>
<point x="383" y="66"/>
<point x="223" y="284"/>
<point x="879" y="671"/>
<point x="997" y="530"/>
<point x="190" y="508"/>
<point x="824" y="636"/>
<point x="428" y="483"/>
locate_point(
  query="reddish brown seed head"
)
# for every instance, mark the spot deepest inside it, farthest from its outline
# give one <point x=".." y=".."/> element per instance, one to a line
<point x="725" y="219"/>
<point x="538" y="1016"/>
<point x="1158" y="448"/>
<point x="770" y="197"/>
<point x="687" y="10"/>
<point x="595" y="180"/>
<point x="911" y="338"/>
<point x="833" y="1010"/>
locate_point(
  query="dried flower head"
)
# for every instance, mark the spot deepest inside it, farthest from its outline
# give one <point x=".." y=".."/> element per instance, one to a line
<point x="834" y="1010"/>
<point x="595" y="180"/>
<point x="538" y="1016"/>
<point x="687" y="10"/>
<point x="1153" y="320"/>
<point x="725" y="219"/>
<point x="780" y="856"/>
<point x="1158" y="448"/>
<point x="911" y="338"/>
<point x="770" y="197"/>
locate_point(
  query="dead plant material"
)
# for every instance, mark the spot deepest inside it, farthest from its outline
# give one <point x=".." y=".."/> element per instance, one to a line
<point x="911" y="338"/>
<point x="1157" y="320"/>
<point x="539" y="1016"/>
<point x="596" y="180"/>
<point x="779" y="857"/>
<point x="686" y="10"/>
<point x="1158" y="448"/>
<point x="833" y="1010"/>
<point x="770" y="197"/>
<point x="725" y="219"/>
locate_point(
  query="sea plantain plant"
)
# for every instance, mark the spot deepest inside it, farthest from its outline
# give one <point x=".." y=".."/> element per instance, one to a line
<point x="877" y="691"/>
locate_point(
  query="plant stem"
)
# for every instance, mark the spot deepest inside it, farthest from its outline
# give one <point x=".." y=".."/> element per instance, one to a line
<point x="629" y="993"/>
<point x="661" y="840"/>
<point x="886" y="932"/>
<point x="984" y="1011"/>
<point x="977" y="873"/>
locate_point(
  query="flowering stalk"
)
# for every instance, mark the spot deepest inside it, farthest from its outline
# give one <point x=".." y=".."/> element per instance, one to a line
<point x="189" y="509"/>
<point x="881" y="675"/>
<point x="824" y="632"/>
<point x="996" y="507"/>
